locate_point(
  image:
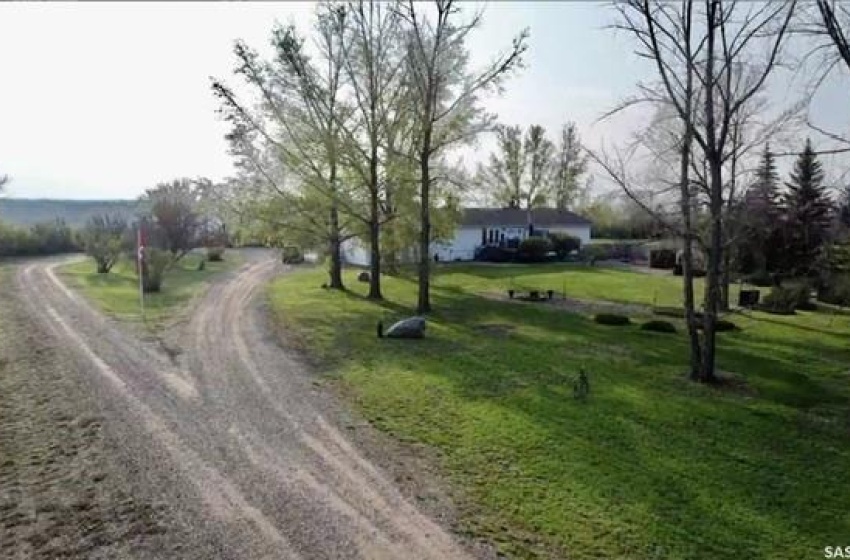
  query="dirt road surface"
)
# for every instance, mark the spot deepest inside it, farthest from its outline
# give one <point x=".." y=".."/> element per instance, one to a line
<point x="207" y="442"/>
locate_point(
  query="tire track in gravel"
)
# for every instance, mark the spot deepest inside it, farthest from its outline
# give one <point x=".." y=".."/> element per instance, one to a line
<point x="234" y="427"/>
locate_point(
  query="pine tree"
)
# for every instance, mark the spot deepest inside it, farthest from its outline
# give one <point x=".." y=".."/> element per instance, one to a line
<point x="757" y="249"/>
<point x="807" y="211"/>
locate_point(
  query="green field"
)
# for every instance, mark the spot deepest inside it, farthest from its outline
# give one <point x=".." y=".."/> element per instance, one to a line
<point x="650" y="466"/>
<point x="117" y="293"/>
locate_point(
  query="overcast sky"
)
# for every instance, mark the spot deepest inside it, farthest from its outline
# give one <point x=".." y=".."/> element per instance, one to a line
<point x="102" y="100"/>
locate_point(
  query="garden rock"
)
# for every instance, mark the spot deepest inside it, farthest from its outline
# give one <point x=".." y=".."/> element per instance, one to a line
<point x="412" y="327"/>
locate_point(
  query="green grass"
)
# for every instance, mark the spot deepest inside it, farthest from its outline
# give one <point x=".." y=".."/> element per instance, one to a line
<point x="577" y="281"/>
<point x="650" y="466"/>
<point x="117" y="293"/>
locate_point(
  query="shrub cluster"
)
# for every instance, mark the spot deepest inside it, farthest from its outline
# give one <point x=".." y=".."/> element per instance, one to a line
<point x="215" y="254"/>
<point x="534" y="249"/>
<point x="41" y="239"/>
<point x="836" y="290"/>
<point x="564" y="244"/>
<point x="784" y="300"/>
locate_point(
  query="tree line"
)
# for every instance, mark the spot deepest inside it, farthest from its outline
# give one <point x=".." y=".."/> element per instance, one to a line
<point x="712" y="61"/>
<point x="354" y="139"/>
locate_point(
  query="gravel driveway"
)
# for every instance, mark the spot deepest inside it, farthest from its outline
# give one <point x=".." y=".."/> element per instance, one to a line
<point x="221" y="435"/>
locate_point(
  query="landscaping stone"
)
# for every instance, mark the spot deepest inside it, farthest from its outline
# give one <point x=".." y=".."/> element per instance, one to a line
<point x="412" y="327"/>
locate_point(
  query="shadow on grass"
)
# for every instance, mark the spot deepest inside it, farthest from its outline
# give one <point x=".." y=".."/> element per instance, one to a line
<point x="650" y="465"/>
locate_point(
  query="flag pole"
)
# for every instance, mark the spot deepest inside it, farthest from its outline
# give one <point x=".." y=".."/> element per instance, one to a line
<point x="140" y="260"/>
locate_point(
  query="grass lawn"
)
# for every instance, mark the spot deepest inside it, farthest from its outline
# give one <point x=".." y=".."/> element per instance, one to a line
<point x="117" y="293"/>
<point x="650" y="466"/>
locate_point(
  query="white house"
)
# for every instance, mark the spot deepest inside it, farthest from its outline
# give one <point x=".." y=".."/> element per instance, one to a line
<point x="479" y="227"/>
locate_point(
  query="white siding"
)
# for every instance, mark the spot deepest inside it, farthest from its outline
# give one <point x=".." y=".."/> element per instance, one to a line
<point x="461" y="248"/>
<point x="354" y="252"/>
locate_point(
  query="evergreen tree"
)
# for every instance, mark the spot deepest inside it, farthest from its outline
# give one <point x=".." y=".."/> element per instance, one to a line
<point x="807" y="211"/>
<point x="759" y="247"/>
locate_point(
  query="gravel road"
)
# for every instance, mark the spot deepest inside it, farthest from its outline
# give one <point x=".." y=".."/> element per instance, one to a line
<point x="221" y="435"/>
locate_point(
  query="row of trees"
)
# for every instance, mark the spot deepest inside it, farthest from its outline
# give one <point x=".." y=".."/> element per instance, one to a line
<point x="787" y="231"/>
<point x="356" y="138"/>
<point x="713" y="59"/>
<point x="534" y="171"/>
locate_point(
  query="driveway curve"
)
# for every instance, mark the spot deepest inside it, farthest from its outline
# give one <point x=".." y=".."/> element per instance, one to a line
<point x="227" y="428"/>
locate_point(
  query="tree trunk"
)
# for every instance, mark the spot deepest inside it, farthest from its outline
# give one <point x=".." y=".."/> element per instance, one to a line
<point x="374" y="227"/>
<point x="375" y="261"/>
<point x="688" y="257"/>
<point x="335" y="270"/>
<point x="424" y="299"/>
<point x="725" y="280"/>
<point x="712" y="278"/>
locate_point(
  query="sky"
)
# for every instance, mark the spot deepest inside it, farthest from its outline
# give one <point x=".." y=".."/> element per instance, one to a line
<point x="104" y="100"/>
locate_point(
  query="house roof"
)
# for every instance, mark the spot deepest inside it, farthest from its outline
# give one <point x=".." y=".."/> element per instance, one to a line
<point x="518" y="217"/>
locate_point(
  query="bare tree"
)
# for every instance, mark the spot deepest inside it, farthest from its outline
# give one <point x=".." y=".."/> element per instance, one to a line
<point x="445" y="99"/>
<point x="698" y="55"/>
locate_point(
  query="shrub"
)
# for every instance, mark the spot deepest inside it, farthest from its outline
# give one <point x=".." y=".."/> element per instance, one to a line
<point x="836" y="290"/>
<point x="156" y="262"/>
<point x="659" y="326"/>
<point x="564" y="244"/>
<point x="534" y="249"/>
<point x="495" y="254"/>
<point x="662" y="258"/>
<point x="612" y="319"/>
<point x="803" y="298"/>
<point x="215" y="254"/>
<point x="103" y="239"/>
<point x="593" y="253"/>
<point x="780" y="301"/>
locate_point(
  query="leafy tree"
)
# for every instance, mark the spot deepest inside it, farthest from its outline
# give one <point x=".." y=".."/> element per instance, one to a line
<point x="174" y="215"/>
<point x="538" y="153"/>
<point x="444" y="97"/>
<point x="808" y="207"/>
<point x="569" y="165"/>
<point x="504" y="173"/>
<point x="103" y="240"/>
<point x="296" y="131"/>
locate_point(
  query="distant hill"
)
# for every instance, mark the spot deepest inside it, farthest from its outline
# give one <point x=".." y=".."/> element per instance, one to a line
<point x="27" y="211"/>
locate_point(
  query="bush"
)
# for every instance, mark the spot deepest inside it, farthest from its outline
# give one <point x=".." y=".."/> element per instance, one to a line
<point x="781" y="301"/>
<point x="215" y="254"/>
<point x="662" y="258"/>
<point x="534" y="249"/>
<point x="156" y="262"/>
<point x="836" y="291"/>
<point x="495" y="254"/>
<point x="659" y="326"/>
<point x="612" y="319"/>
<point x="564" y="244"/>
